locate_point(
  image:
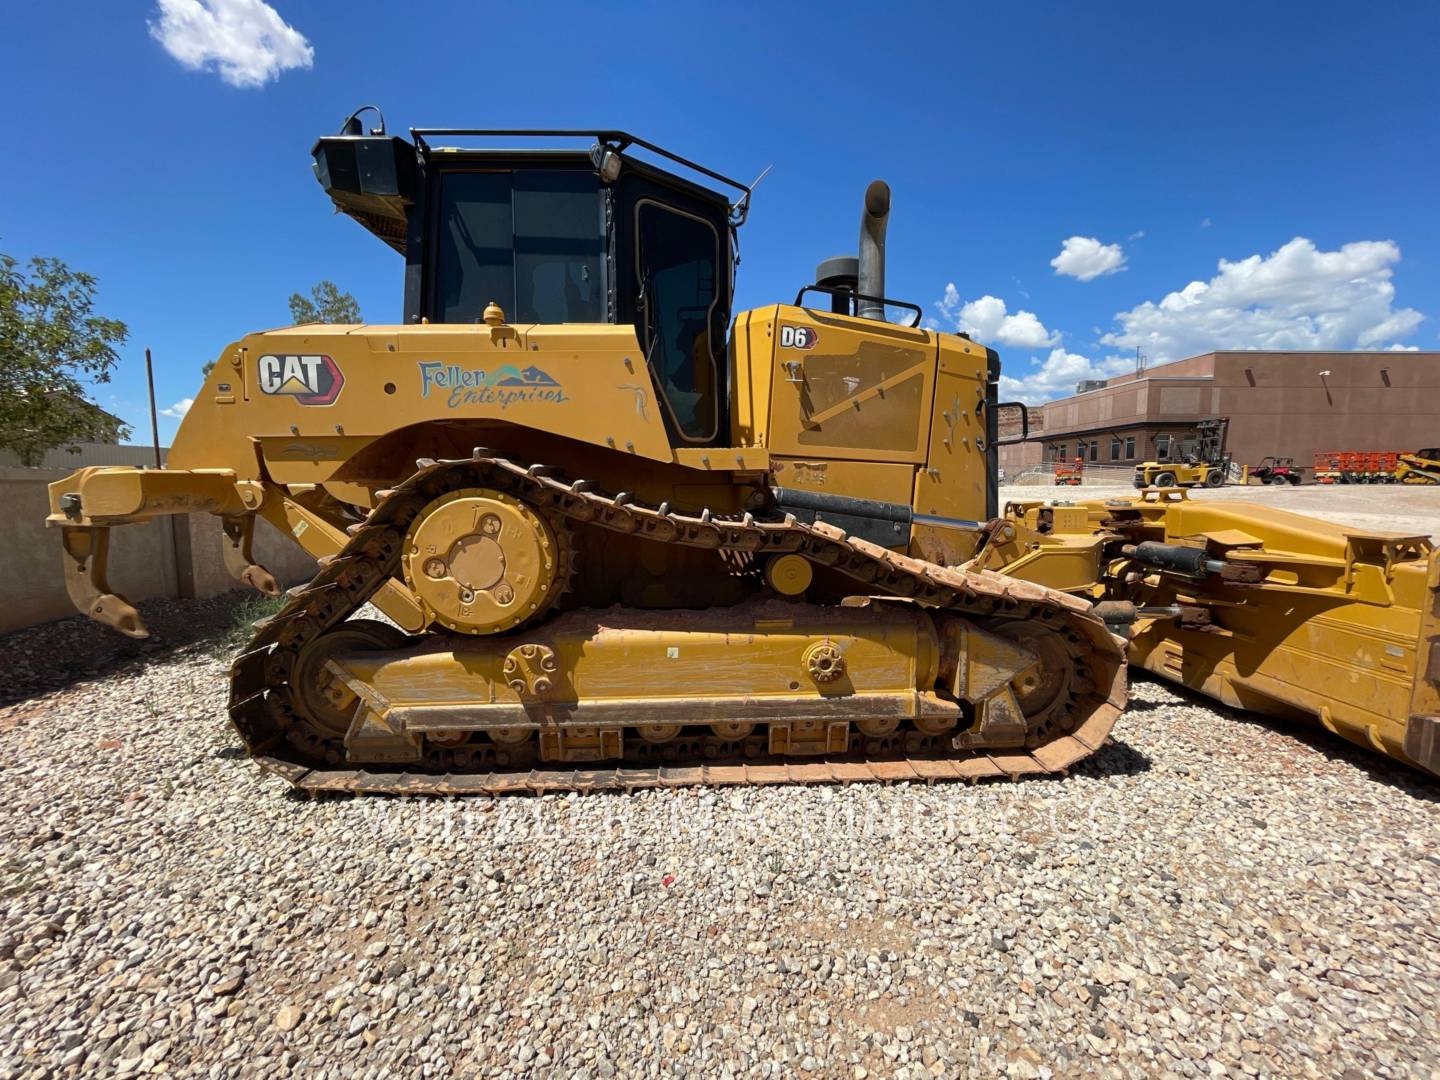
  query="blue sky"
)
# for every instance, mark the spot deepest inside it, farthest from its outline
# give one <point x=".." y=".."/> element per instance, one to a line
<point x="1297" y="144"/>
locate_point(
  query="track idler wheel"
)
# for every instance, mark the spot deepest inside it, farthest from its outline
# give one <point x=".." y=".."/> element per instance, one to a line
<point x="322" y="697"/>
<point x="1045" y="694"/>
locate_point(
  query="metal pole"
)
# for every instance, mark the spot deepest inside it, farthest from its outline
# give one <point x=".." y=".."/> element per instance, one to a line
<point x="179" y="526"/>
<point x="154" y="419"/>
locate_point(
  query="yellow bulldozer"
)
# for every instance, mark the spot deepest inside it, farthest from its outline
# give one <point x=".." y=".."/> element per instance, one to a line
<point x="622" y="537"/>
<point x="1419" y="467"/>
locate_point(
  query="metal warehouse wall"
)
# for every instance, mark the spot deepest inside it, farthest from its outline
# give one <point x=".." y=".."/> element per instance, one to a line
<point x="1279" y="403"/>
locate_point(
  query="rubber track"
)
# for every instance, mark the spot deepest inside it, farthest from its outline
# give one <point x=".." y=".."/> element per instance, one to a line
<point x="260" y="711"/>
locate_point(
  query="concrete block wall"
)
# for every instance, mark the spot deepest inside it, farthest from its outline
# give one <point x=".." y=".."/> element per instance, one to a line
<point x="273" y="550"/>
<point x="144" y="562"/>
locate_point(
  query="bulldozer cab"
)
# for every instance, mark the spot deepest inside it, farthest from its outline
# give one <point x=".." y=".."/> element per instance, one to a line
<point x="828" y="386"/>
<point x="557" y="236"/>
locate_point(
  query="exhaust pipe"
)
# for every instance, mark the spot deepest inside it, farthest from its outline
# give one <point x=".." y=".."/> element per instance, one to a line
<point x="872" y="249"/>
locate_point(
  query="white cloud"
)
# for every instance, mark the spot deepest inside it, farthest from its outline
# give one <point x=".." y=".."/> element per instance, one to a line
<point x="1296" y="298"/>
<point x="1138" y="234"/>
<point x="245" y="41"/>
<point x="179" y="409"/>
<point x="1059" y="374"/>
<point x="988" y="320"/>
<point x="1085" y="258"/>
<point x="1205" y="223"/>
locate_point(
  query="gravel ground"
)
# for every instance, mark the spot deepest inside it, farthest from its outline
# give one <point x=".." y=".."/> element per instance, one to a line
<point x="1206" y="896"/>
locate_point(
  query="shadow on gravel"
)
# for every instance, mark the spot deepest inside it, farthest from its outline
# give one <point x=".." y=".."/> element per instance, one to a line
<point x="1115" y="758"/>
<point x="1379" y="768"/>
<point x="46" y="659"/>
<point x="1140" y="708"/>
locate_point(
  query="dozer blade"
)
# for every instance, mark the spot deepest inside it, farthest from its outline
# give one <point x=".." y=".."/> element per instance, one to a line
<point x="1281" y="614"/>
<point x="1422" y="731"/>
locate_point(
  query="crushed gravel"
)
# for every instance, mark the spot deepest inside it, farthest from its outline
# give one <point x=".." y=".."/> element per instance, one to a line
<point x="1207" y="896"/>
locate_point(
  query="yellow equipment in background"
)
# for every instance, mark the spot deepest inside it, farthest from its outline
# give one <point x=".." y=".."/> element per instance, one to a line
<point x="1420" y="467"/>
<point x="1206" y="466"/>
<point x="1266" y="610"/>
<point x="623" y="539"/>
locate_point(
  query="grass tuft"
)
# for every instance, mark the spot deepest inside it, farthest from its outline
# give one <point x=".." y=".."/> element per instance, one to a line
<point x="244" y="616"/>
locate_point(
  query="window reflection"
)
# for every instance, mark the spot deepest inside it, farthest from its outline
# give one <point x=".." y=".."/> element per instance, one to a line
<point x="529" y="240"/>
<point x="678" y="257"/>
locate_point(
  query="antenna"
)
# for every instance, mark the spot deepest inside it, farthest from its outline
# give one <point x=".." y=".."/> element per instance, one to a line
<point x="741" y="209"/>
<point x="1139" y="362"/>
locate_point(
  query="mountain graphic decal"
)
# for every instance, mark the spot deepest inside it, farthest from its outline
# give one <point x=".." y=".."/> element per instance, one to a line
<point x="531" y="376"/>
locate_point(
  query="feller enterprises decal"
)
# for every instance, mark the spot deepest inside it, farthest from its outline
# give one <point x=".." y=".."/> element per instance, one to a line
<point x="310" y="380"/>
<point x="505" y="386"/>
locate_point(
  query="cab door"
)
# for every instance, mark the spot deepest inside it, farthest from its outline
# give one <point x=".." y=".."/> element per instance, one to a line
<point x="850" y="389"/>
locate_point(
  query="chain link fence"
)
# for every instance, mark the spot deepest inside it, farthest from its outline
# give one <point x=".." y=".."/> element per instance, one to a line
<point x="1043" y="475"/>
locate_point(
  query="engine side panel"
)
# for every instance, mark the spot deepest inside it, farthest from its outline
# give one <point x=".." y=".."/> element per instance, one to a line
<point x="314" y="396"/>
<point x="850" y="389"/>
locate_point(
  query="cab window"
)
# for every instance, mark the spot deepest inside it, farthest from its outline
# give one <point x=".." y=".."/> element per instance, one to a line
<point x="530" y="240"/>
<point x="678" y="262"/>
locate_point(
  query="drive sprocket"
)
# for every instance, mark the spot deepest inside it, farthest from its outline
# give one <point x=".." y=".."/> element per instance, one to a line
<point x="483" y="562"/>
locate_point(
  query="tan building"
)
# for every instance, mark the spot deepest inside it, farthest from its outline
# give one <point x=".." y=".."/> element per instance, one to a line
<point x="1290" y="404"/>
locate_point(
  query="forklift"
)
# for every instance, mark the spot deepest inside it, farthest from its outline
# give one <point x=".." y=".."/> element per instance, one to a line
<point x="1207" y="466"/>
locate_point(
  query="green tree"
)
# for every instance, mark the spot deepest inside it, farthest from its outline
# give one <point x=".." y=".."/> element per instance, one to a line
<point x="50" y="340"/>
<point x="325" y="304"/>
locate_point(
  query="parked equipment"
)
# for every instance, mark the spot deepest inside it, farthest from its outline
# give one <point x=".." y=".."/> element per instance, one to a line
<point x="625" y="540"/>
<point x="628" y="554"/>
<point x="1071" y="473"/>
<point x="1420" y="467"/>
<point x="1277" y="470"/>
<point x="1206" y="467"/>
<point x="1327" y="467"/>
<point x="1358" y="466"/>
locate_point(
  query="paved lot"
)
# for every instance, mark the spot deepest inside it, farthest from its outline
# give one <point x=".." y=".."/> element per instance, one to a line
<point x="1207" y="896"/>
